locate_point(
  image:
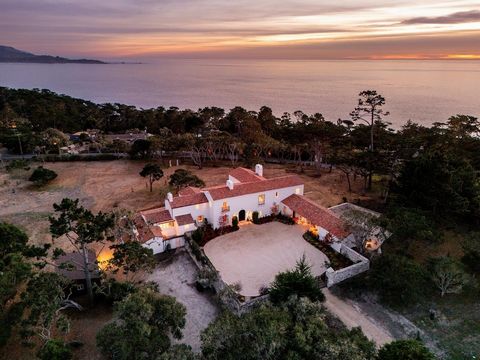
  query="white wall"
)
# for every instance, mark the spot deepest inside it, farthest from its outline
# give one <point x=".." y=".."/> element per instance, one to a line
<point x="182" y="229"/>
<point x="195" y="211"/>
<point x="158" y="245"/>
<point x="249" y="203"/>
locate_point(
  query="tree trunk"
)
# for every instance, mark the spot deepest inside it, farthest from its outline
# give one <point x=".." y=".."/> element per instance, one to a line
<point x="151" y="183"/>
<point x="88" y="277"/>
<point x="370" y="175"/>
<point x="349" y="185"/>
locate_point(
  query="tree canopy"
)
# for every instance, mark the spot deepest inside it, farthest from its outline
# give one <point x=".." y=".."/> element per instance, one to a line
<point x="145" y="322"/>
<point x="295" y="330"/>
<point x="153" y="172"/>
<point x="81" y="228"/>
<point x="183" y="178"/>
<point x="299" y="282"/>
<point x="405" y="350"/>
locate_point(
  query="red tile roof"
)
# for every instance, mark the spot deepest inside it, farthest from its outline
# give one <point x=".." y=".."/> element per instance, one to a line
<point x="157" y="215"/>
<point x="245" y="175"/>
<point x="156" y="231"/>
<point x="184" y="219"/>
<point x="189" y="190"/>
<point x="317" y="215"/>
<point x="188" y="200"/>
<point x="222" y="192"/>
<point x="144" y="232"/>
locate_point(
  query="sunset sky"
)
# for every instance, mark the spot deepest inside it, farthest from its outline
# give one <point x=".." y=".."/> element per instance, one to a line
<point x="302" y="29"/>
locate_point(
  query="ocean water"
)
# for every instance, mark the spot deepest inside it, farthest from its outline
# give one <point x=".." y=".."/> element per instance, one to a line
<point x="421" y="91"/>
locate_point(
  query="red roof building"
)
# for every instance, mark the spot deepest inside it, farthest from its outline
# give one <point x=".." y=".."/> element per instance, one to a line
<point x="317" y="215"/>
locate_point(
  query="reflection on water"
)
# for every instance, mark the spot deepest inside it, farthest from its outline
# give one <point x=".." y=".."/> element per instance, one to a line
<point x="424" y="91"/>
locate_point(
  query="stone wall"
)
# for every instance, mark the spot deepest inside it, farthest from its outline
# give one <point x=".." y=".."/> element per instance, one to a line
<point x="361" y="264"/>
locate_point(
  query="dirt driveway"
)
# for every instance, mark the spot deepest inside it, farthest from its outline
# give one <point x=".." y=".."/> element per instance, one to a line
<point x="352" y="316"/>
<point x="176" y="277"/>
<point x="253" y="255"/>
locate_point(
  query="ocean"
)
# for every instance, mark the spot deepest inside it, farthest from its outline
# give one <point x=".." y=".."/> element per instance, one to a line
<point x="421" y="91"/>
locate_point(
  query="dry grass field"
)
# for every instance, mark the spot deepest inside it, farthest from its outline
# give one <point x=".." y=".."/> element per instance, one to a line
<point x="109" y="185"/>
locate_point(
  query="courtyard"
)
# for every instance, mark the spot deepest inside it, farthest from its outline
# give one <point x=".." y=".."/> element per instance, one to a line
<point x="253" y="255"/>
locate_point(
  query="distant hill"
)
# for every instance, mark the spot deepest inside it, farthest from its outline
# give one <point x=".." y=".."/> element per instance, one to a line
<point x="12" y="55"/>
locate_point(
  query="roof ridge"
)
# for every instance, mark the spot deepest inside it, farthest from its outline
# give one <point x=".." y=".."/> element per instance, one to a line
<point x="149" y="211"/>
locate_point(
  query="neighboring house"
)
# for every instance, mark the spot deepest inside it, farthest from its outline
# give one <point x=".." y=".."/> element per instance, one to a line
<point x="70" y="149"/>
<point x="129" y="138"/>
<point x="70" y="265"/>
<point x="244" y="192"/>
<point x="88" y="135"/>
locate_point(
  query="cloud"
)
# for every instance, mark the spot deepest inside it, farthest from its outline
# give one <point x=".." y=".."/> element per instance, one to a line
<point x="265" y="28"/>
<point x="455" y="18"/>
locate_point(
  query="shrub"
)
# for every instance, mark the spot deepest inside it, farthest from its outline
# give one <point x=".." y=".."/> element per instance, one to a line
<point x="284" y="219"/>
<point x="41" y="175"/>
<point x="405" y="350"/>
<point x="197" y="235"/>
<point x="18" y="164"/>
<point x="309" y="236"/>
<point x="235" y="223"/>
<point x="55" y="350"/>
<point x="255" y="217"/>
<point x="337" y="260"/>
<point x="206" y="278"/>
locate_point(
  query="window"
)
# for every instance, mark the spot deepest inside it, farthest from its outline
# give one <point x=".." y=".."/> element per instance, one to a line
<point x="225" y="207"/>
<point x="276" y="194"/>
<point x="167" y="225"/>
<point x="80" y="287"/>
<point x="261" y="199"/>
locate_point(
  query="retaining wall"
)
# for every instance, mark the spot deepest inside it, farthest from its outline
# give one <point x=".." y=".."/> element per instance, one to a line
<point x="361" y="264"/>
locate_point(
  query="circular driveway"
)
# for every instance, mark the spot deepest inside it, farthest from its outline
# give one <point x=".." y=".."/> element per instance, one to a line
<point x="253" y="255"/>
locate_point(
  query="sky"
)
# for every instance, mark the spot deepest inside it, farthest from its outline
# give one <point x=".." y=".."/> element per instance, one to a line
<point x="270" y="29"/>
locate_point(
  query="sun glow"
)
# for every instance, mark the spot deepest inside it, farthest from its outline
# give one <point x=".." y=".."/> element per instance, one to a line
<point x="463" y="56"/>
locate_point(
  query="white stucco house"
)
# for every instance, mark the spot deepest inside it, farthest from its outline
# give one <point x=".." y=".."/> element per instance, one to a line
<point x="244" y="192"/>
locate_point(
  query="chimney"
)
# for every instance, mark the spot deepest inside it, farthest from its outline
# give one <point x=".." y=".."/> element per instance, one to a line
<point x="230" y="184"/>
<point x="170" y="196"/>
<point x="259" y="170"/>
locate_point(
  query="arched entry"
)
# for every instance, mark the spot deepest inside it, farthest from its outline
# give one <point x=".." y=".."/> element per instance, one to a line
<point x="241" y="215"/>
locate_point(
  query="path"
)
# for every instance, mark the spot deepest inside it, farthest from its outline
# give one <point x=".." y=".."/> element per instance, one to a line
<point x="176" y="277"/>
<point x="351" y="315"/>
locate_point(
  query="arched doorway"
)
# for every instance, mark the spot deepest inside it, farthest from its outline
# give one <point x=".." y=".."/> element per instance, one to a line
<point x="241" y="215"/>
